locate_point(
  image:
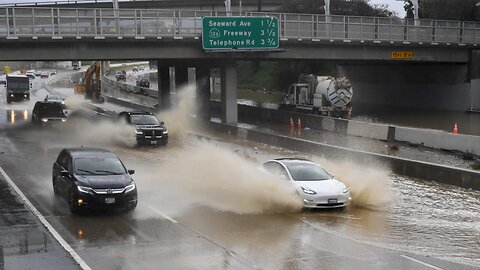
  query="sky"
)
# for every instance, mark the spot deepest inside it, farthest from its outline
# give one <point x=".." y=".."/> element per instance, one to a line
<point x="394" y="5"/>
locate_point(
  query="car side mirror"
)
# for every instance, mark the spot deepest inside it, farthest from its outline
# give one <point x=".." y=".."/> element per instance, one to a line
<point x="131" y="172"/>
<point x="162" y="123"/>
<point x="65" y="173"/>
<point x="65" y="112"/>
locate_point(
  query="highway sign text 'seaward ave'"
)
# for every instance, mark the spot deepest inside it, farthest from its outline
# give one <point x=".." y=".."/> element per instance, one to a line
<point x="227" y="33"/>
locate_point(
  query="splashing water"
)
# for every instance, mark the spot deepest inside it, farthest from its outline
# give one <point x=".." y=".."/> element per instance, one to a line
<point x="369" y="186"/>
<point x="216" y="177"/>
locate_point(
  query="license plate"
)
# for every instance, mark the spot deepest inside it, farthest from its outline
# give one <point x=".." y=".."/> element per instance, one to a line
<point x="332" y="200"/>
<point x="109" y="200"/>
<point x="153" y="142"/>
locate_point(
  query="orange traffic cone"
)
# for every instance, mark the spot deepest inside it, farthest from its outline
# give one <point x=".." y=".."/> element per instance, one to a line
<point x="455" y="129"/>
<point x="291" y="123"/>
<point x="299" y="124"/>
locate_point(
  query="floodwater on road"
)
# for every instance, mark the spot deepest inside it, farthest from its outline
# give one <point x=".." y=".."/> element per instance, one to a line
<point x="212" y="187"/>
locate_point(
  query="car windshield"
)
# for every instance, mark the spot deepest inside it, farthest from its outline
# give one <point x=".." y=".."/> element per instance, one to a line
<point x="144" y="120"/>
<point x="307" y="172"/>
<point x="98" y="166"/>
<point x="51" y="110"/>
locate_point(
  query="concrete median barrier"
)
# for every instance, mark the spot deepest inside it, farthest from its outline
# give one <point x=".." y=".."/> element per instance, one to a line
<point x="439" y="139"/>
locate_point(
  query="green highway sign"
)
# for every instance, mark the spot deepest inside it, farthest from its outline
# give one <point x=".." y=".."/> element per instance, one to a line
<point x="227" y="33"/>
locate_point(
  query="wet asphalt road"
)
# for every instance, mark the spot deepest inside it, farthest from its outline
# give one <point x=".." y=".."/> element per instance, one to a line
<point x="174" y="227"/>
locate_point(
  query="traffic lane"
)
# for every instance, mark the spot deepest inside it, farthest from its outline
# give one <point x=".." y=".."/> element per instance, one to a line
<point x="132" y="77"/>
<point x="168" y="200"/>
<point x="230" y="235"/>
<point x="24" y="243"/>
<point x="141" y="238"/>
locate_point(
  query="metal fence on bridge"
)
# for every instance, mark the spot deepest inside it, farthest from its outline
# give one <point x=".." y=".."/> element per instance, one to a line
<point x="59" y="23"/>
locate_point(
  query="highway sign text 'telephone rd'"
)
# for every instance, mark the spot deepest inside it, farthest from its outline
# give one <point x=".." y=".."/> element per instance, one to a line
<point x="226" y="33"/>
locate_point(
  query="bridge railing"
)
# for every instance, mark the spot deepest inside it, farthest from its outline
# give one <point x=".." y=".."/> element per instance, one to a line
<point x="58" y="23"/>
<point x="376" y="29"/>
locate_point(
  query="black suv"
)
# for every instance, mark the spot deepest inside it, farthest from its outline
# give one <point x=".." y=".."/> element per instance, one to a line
<point x="148" y="130"/>
<point x="47" y="113"/>
<point x="143" y="83"/>
<point x="93" y="178"/>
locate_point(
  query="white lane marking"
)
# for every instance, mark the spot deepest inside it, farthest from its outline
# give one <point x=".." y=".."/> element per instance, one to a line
<point x="160" y="213"/>
<point x="45" y="223"/>
<point x="420" y="262"/>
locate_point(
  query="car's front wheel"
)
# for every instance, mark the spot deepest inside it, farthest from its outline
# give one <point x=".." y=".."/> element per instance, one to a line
<point x="72" y="204"/>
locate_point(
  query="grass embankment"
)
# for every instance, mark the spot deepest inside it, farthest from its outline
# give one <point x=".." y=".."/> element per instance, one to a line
<point x="255" y="82"/>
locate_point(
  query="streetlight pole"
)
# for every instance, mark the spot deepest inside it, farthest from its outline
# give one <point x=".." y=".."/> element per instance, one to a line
<point x="228" y="7"/>
<point x="327" y="7"/>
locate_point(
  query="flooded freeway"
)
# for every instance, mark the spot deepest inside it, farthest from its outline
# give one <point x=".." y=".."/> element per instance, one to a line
<point x="203" y="204"/>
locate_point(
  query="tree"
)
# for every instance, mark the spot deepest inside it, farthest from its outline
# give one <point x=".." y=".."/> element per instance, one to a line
<point x="409" y="8"/>
<point x="462" y="10"/>
<point x="337" y="7"/>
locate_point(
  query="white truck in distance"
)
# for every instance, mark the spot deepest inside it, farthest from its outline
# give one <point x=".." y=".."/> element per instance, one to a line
<point x="320" y="95"/>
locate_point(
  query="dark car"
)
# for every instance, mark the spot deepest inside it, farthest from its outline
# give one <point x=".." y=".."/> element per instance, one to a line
<point x="48" y="113"/>
<point x="44" y="75"/>
<point x="120" y="76"/>
<point x="93" y="178"/>
<point x="148" y="130"/>
<point x="143" y="83"/>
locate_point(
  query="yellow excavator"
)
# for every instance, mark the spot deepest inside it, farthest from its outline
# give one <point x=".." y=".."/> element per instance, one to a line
<point x="90" y="86"/>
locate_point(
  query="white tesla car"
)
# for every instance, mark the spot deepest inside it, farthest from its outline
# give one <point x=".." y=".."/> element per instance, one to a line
<point x="316" y="187"/>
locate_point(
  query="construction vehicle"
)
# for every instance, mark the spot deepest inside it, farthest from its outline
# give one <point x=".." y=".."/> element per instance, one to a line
<point x="323" y="95"/>
<point x="90" y="85"/>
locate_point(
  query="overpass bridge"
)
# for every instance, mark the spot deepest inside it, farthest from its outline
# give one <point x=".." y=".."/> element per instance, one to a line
<point x="213" y="5"/>
<point x="174" y="38"/>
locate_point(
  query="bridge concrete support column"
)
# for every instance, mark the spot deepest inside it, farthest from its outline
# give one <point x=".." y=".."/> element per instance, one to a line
<point x="104" y="67"/>
<point x="229" y="114"/>
<point x="163" y="87"/>
<point x="474" y="74"/>
<point x="202" y="75"/>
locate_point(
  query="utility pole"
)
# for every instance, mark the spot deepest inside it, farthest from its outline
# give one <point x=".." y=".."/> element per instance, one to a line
<point x="228" y="7"/>
<point x="327" y="7"/>
<point x="115" y="8"/>
<point x="415" y="12"/>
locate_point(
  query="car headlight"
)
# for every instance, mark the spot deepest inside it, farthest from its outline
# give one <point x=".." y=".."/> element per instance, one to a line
<point x="64" y="120"/>
<point x="63" y="102"/>
<point x="45" y="120"/>
<point x="138" y="132"/>
<point x="345" y="190"/>
<point x="130" y="188"/>
<point x="165" y="131"/>
<point x="11" y="95"/>
<point x="85" y="189"/>
<point x="308" y="191"/>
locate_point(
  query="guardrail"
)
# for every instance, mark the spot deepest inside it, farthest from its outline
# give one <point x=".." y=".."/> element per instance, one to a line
<point x="59" y="23"/>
